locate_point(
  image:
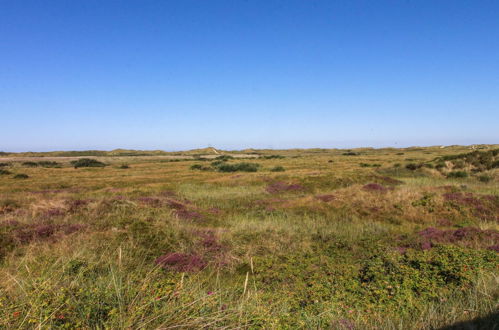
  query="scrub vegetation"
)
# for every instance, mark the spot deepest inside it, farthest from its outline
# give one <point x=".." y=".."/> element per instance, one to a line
<point x="316" y="238"/>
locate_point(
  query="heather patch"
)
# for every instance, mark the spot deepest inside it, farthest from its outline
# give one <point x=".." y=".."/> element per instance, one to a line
<point x="26" y="233"/>
<point x="467" y="237"/>
<point x="150" y="201"/>
<point x="181" y="262"/>
<point x="54" y="212"/>
<point x="279" y="187"/>
<point x="325" y="198"/>
<point x="374" y="187"/>
<point x="8" y="205"/>
<point x="75" y="205"/>
<point x="388" y="180"/>
<point x="485" y="206"/>
<point x="190" y="215"/>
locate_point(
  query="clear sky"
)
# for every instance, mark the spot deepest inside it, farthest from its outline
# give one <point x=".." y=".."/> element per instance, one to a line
<point x="99" y="74"/>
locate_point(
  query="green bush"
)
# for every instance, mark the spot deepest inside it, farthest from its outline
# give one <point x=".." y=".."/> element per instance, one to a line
<point x="30" y="164"/>
<point x="87" y="162"/>
<point x="224" y="158"/>
<point x="196" y="167"/>
<point x="124" y="166"/>
<point x="200" y="167"/>
<point x="369" y="165"/>
<point x="240" y="167"/>
<point x="277" y="169"/>
<point x="457" y="174"/>
<point x="4" y="172"/>
<point x="46" y="163"/>
<point x="484" y="178"/>
<point x="273" y="157"/>
<point x="4" y="164"/>
<point x="412" y="166"/>
<point x="217" y="163"/>
<point x="21" y="176"/>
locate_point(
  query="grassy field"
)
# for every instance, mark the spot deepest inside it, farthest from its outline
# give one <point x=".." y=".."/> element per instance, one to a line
<point x="316" y="238"/>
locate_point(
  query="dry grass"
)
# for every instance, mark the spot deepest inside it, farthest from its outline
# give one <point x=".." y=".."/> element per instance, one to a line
<point x="271" y="258"/>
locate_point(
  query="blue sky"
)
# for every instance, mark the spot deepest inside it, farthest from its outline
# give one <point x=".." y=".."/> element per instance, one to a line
<point x="233" y="74"/>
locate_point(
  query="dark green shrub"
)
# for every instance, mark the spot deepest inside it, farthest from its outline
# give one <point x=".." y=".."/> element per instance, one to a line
<point x="224" y="158"/>
<point x="4" y="172"/>
<point x="273" y="157"/>
<point x="412" y="166"/>
<point x="484" y="178"/>
<point x="30" y="164"/>
<point x="87" y="162"/>
<point x="277" y="169"/>
<point x="241" y="167"/>
<point x="457" y="174"/>
<point x="200" y="167"/>
<point x="369" y="165"/>
<point x="351" y="153"/>
<point x="4" y="164"/>
<point x="21" y="176"/>
<point x="124" y="166"/>
<point x="217" y="163"/>
<point x="196" y="167"/>
<point x="440" y="166"/>
<point x="46" y="163"/>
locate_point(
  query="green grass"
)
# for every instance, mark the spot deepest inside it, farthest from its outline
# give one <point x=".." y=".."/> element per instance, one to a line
<point x="78" y="247"/>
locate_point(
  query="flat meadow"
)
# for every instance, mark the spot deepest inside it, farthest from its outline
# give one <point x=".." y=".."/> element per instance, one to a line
<point x="307" y="238"/>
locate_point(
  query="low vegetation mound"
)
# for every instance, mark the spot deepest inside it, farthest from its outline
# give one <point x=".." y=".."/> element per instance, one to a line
<point x="87" y="162"/>
<point x="181" y="262"/>
<point x="279" y="187"/>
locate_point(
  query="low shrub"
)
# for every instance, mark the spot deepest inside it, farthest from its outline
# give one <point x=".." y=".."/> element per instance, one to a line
<point x="217" y="163"/>
<point x="200" y="167"/>
<point x="21" y="176"/>
<point x="277" y="169"/>
<point x="224" y="158"/>
<point x="412" y="166"/>
<point x="4" y="172"/>
<point x="484" y="178"/>
<point x="457" y="174"/>
<point x="30" y="164"/>
<point x="4" y="164"/>
<point x="369" y="165"/>
<point x="350" y="153"/>
<point x="87" y="162"/>
<point x="46" y="163"/>
<point x="124" y="166"/>
<point x="273" y="157"/>
<point x="240" y="167"/>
